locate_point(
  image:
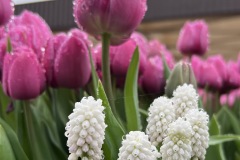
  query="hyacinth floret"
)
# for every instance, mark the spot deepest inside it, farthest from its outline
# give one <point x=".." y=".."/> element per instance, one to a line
<point x="161" y="114"/>
<point x="185" y="98"/>
<point x="85" y="130"/>
<point x="136" y="146"/>
<point x="199" y="122"/>
<point x="177" y="144"/>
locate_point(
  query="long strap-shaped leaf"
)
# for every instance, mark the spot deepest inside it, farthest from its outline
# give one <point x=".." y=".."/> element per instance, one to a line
<point x="17" y="149"/>
<point x="114" y="131"/>
<point x="131" y="94"/>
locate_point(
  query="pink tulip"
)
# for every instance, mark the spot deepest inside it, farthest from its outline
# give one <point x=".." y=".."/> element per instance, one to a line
<point x="233" y="76"/>
<point x="31" y="30"/>
<point x="159" y="49"/>
<point x="122" y="56"/>
<point x="66" y="61"/>
<point x="206" y="74"/>
<point x="141" y="42"/>
<point x="23" y="75"/>
<point x="193" y="38"/>
<point x="118" y="18"/>
<point x="152" y="80"/>
<point x="3" y="48"/>
<point x="6" y="11"/>
<point x="231" y="98"/>
<point x="220" y="64"/>
<point x="51" y="50"/>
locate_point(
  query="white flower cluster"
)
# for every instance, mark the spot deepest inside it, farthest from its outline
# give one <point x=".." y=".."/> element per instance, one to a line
<point x="85" y="130"/>
<point x="179" y="125"/>
<point x="177" y="145"/>
<point x="185" y="98"/>
<point x="161" y="114"/>
<point x="136" y="146"/>
<point x="199" y="122"/>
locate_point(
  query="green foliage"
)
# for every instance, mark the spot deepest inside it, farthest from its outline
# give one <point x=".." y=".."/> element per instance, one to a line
<point x="114" y="131"/>
<point x="6" y="151"/>
<point x="131" y="94"/>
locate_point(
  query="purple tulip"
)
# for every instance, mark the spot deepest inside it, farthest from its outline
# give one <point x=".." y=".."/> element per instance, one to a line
<point x="118" y="18"/>
<point x="6" y="11"/>
<point x="193" y="38"/>
<point x="66" y="61"/>
<point x="152" y="80"/>
<point x="122" y="56"/>
<point x="23" y="75"/>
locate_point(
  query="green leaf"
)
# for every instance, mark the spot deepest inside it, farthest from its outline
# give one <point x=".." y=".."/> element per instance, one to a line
<point x="231" y="119"/>
<point x="9" y="45"/>
<point x="12" y="137"/>
<point x="216" y="151"/>
<point x="131" y="94"/>
<point x="167" y="70"/>
<point x="214" y="128"/>
<point x="218" y="139"/>
<point x="94" y="74"/>
<point x="114" y="131"/>
<point x="6" y="151"/>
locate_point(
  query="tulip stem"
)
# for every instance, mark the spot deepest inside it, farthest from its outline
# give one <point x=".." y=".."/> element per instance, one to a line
<point x="28" y="120"/>
<point x="107" y="83"/>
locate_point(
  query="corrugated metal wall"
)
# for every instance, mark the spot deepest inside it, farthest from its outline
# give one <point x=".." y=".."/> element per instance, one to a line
<point x="58" y="13"/>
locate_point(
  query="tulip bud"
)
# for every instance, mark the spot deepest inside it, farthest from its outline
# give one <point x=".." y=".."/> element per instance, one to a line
<point x="23" y="75"/>
<point x="118" y="18"/>
<point x="66" y="61"/>
<point x="182" y="73"/>
<point x="6" y="11"/>
<point x="193" y="38"/>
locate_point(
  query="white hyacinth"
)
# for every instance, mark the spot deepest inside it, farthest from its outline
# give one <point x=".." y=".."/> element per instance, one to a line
<point x="161" y="114"/>
<point x="177" y="144"/>
<point x="199" y="122"/>
<point x="185" y="98"/>
<point x="85" y="130"/>
<point x="136" y="146"/>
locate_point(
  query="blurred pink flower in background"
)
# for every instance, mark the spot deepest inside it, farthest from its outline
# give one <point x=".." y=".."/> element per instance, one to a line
<point x="122" y="56"/>
<point x="118" y="18"/>
<point x="66" y="60"/>
<point x="6" y="11"/>
<point x="141" y="42"/>
<point x="206" y="74"/>
<point x="152" y="80"/>
<point x="193" y="38"/>
<point x="159" y="49"/>
<point x="23" y="75"/>
<point x="230" y="98"/>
